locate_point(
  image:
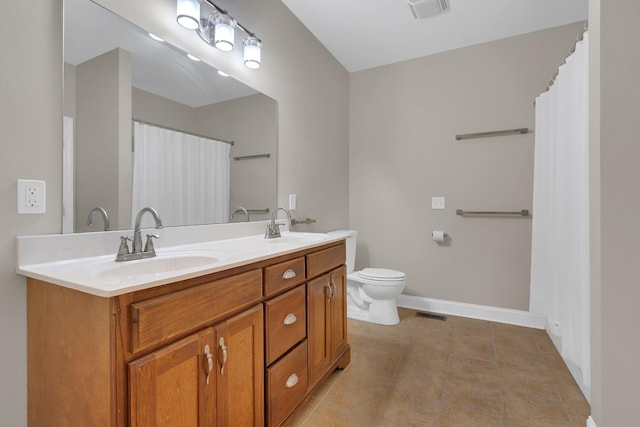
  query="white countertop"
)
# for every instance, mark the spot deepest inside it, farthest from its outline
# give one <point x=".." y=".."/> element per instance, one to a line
<point x="101" y="275"/>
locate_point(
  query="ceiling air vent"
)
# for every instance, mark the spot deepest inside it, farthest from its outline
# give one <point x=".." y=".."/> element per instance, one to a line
<point x="427" y="8"/>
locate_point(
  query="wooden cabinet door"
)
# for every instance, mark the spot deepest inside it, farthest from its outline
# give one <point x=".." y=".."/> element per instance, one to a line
<point x="173" y="386"/>
<point x="240" y="370"/>
<point x="319" y="327"/>
<point x="338" y="311"/>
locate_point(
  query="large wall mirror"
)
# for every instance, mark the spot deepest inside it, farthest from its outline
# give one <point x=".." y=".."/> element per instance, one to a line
<point x="144" y="121"/>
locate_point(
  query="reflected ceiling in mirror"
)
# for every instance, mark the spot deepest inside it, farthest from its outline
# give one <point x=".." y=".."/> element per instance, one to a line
<point x="154" y="82"/>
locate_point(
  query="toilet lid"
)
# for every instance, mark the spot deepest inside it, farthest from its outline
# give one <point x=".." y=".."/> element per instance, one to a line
<point x="382" y="274"/>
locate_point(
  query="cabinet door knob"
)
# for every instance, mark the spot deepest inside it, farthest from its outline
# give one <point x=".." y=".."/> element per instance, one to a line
<point x="288" y="274"/>
<point x="290" y="319"/>
<point x="291" y="381"/>
<point x="225" y="354"/>
<point x="207" y="353"/>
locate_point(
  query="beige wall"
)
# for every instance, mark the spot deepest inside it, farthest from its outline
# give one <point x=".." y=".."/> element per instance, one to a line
<point x="404" y="118"/>
<point x="103" y="138"/>
<point x="30" y="147"/>
<point x="616" y="292"/>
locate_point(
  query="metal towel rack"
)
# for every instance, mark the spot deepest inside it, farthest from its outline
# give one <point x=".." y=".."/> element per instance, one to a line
<point x="258" y="211"/>
<point x="302" y="221"/>
<point x="524" y="212"/>
<point x="254" y="156"/>
<point x="520" y="131"/>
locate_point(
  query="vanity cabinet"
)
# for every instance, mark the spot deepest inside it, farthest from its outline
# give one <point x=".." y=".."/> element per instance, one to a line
<point x="173" y="386"/>
<point x="245" y="346"/>
<point x="213" y="377"/>
<point x="327" y="327"/>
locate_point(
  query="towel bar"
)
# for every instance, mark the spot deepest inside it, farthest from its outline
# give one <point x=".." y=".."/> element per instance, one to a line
<point x="523" y="212"/>
<point x="520" y="131"/>
<point x="255" y="156"/>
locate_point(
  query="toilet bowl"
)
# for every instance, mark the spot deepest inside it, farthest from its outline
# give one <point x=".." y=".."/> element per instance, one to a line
<point x="371" y="292"/>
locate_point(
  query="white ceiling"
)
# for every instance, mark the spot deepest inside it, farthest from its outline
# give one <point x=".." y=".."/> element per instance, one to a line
<point x="363" y="34"/>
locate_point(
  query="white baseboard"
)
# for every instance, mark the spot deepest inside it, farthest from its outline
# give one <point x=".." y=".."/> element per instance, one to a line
<point x="474" y="311"/>
<point x="590" y="422"/>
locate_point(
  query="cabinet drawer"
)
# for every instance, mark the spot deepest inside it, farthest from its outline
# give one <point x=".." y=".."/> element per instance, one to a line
<point x="286" y="384"/>
<point x="163" y="318"/>
<point x="325" y="260"/>
<point x="283" y="275"/>
<point x="286" y="322"/>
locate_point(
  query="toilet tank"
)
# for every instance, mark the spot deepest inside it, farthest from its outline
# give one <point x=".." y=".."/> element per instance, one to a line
<point x="351" y="237"/>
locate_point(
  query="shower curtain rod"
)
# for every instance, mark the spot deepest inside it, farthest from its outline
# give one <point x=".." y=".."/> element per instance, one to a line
<point x="181" y="131"/>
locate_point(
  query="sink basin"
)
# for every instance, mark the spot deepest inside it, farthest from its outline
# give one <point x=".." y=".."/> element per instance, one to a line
<point x="157" y="265"/>
<point x="295" y="238"/>
<point x="164" y="263"/>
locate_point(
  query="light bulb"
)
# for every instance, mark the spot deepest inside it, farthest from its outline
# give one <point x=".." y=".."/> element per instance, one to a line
<point x="252" y="52"/>
<point x="223" y="32"/>
<point x="188" y="14"/>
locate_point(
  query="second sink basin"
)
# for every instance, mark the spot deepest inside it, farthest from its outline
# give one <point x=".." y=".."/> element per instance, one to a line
<point x="295" y="238"/>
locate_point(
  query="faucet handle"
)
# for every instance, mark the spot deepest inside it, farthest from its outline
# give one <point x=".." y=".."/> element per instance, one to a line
<point x="148" y="246"/>
<point x="123" y="249"/>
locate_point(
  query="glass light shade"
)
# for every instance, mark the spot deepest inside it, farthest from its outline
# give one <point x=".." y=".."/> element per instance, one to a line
<point x="223" y="33"/>
<point x="188" y="14"/>
<point x="252" y="53"/>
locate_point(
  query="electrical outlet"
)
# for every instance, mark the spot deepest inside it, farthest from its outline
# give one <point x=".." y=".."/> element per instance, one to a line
<point x="292" y="202"/>
<point x="31" y="196"/>
<point x="437" y="202"/>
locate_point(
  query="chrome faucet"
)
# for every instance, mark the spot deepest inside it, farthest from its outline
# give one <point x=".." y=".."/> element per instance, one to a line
<point x="273" y="228"/>
<point x="243" y="210"/>
<point x="103" y="213"/>
<point x="136" y="247"/>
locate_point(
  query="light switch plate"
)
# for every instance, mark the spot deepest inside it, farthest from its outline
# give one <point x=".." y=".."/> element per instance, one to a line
<point x="437" y="202"/>
<point x="32" y="196"/>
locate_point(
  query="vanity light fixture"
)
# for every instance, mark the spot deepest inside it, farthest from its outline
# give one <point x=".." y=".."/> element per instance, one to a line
<point x="217" y="28"/>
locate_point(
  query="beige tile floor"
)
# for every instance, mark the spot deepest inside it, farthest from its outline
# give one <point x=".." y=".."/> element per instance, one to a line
<point x="458" y="372"/>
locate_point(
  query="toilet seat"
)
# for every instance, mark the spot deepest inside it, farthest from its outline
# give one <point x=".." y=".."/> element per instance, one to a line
<point x="378" y="277"/>
<point x="382" y="274"/>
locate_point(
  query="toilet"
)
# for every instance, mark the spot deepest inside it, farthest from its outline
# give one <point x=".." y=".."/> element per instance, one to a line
<point x="371" y="292"/>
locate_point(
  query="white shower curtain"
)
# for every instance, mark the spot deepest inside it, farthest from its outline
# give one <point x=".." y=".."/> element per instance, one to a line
<point x="560" y="229"/>
<point x="184" y="177"/>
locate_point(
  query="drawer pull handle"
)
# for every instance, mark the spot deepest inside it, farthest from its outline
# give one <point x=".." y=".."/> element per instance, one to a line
<point x="291" y="381"/>
<point x="289" y="274"/>
<point x="332" y="290"/>
<point x="290" y="319"/>
<point x="207" y="352"/>
<point x="225" y="354"/>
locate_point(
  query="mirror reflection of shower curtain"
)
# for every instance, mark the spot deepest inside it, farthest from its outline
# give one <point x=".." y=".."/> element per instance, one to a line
<point x="560" y="284"/>
<point x="184" y="177"/>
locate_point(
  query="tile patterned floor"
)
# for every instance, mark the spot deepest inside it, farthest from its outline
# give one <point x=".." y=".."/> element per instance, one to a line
<point x="459" y="372"/>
